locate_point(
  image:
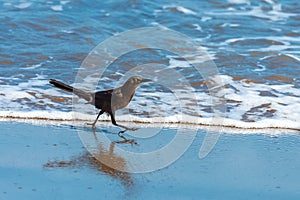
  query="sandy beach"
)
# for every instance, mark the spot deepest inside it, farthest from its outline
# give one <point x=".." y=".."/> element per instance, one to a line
<point x="51" y="162"/>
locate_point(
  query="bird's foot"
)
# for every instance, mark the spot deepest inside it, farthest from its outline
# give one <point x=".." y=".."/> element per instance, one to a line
<point x="91" y="124"/>
<point x="127" y="129"/>
<point x="132" y="129"/>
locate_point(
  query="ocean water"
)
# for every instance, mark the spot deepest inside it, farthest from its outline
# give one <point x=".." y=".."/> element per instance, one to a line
<point x="254" y="44"/>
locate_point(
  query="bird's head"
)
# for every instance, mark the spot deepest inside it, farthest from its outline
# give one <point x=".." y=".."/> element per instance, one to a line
<point x="135" y="81"/>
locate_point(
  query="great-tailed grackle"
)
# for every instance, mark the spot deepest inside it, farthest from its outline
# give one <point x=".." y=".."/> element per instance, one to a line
<point x="107" y="101"/>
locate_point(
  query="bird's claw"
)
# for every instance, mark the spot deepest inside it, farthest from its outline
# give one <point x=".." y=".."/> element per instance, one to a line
<point x="127" y="129"/>
<point x="91" y="124"/>
<point x="132" y="129"/>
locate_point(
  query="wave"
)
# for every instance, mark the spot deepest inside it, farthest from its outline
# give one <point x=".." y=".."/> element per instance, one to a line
<point x="177" y="120"/>
<point x="250" y="105"/>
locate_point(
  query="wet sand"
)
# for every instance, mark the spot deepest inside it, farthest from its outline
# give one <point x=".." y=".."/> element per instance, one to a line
<point x="51" y="162"/>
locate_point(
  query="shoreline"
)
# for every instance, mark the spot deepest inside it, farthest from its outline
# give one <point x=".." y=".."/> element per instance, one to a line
<point x="179" y="120"/>
<point x="221" y="128"/>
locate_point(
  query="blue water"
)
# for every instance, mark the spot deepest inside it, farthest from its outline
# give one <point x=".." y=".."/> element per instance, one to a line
<point x="241" y="166"/>
<point x="254" y="44"/>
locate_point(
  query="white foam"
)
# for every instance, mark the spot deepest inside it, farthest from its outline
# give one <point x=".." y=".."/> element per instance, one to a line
<point x="293" y="56"/>
<point x="260" y="69"/>
<point x="198" y="27"/>
<point x="23" y="95"/>
<point x="230" y="25"/>
<point x="233" y="40"/>
<point x="285" y="40"/>
<point x="49" y="115"/>
<point x="173" y="63"/>
<point x="57" y="7"/>
<point x="276" y="14"/>
<point x="64" y="2"/>
<point x="202" y="57"/>
<point x="269" y="2"/>
<point x="248" y="108"/>
<point x="177" y="120"/>
<point x="287" y="106"/>
<point x="206" y="18"/>
<point x="179" y="9"/>
<point x="33" y="66"/>
<point x="273" y="48"/>
<point x="67" y="31"/>
<point x="185" y="10"/>
<point x="23" y="5"/>
<point x="238" y="1"/>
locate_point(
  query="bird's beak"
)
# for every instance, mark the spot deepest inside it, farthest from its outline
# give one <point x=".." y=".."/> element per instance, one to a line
<point x="146" y="80"/>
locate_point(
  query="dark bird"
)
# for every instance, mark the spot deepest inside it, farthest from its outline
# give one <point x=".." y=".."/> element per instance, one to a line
<point x="107" y="101"/>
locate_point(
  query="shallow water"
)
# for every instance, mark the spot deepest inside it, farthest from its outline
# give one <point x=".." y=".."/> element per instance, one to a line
<point x="50" y="162"/>
<point x="254" y="44"/>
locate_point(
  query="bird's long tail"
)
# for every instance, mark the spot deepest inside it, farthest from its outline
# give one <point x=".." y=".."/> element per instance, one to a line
<point x="80" y="93"/>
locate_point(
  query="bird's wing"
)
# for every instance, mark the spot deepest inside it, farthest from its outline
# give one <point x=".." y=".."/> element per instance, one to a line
<point x="110" y="100"/>
<point x="104" y="96"/>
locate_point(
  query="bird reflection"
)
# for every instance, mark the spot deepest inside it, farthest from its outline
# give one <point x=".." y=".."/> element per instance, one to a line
<point x="106" y="156"/>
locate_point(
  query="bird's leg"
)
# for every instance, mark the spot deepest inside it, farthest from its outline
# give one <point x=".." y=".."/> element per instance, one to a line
<point x="113" y="120"/>
<point x="94" y="123"/>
